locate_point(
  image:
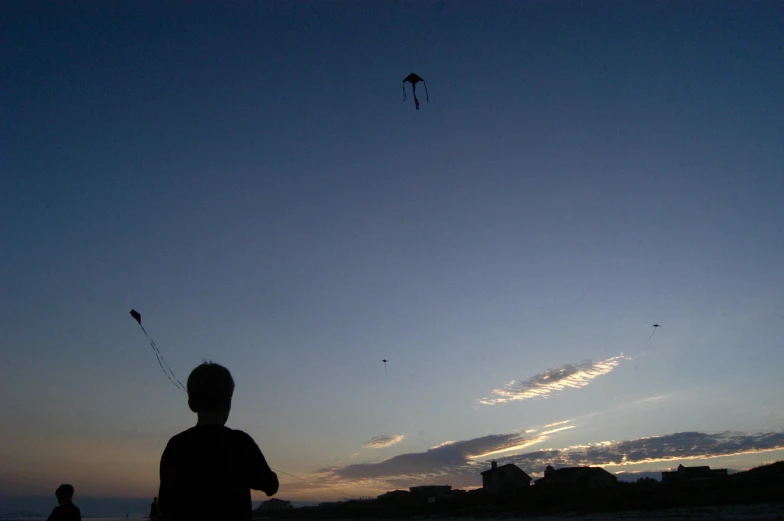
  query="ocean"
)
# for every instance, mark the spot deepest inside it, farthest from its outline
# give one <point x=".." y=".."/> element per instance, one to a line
<point x="30" y="508"/>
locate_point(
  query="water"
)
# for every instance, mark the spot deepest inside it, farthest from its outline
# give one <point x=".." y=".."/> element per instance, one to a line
<point x="34" y="508"/>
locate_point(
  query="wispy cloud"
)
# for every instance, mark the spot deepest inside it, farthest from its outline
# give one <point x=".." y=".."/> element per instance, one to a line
<point x="459" y="463"/>
<point x="557" y="379"/>
<point x="435" y="460"/>
<point x="450" y="442"/>
<point x="557" y="429"/>
<point x="381" y="442"/>
<point x="657" y="449"/>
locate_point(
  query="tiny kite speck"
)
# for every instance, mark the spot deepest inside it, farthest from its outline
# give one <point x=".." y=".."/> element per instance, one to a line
<point x="413" y="79"/>
<point x="654" y="330"/>
<point x="385" y="366"/>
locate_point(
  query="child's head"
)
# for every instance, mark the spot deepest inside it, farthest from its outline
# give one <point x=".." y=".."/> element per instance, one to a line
<point x="210" y="388"/>
<point x="64" y="494"/>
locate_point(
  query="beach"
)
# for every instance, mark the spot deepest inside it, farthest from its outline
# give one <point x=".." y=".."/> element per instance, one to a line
<point x="758" y="512"/>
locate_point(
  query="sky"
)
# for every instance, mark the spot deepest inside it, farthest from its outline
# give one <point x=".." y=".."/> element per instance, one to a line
<point x="248" y="176"/>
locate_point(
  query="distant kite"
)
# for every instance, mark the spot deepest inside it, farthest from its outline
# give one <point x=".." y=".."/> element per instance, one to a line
<point x="385" y="366"/>
<point x="654" y="330"/>
<point x="161" y="362"/>
<point x="413" y="79"/>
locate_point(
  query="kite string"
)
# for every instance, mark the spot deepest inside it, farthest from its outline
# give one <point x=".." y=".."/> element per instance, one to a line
<point x="314" y="484"/>
<point x="161" y="362"/>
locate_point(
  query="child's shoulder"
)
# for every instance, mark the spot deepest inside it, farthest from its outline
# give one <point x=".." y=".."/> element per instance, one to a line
<point x="197" y="433"/>
<point x="242" y="435"/>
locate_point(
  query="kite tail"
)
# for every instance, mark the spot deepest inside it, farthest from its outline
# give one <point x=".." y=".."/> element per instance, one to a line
<point x="416" y="101"/>
<point x="654" y="332"/>
<point x="404" y="92"/>
<point x="426" y="94"/>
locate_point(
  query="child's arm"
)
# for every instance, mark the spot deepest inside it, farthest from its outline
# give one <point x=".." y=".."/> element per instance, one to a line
<point x="260" y="475"/>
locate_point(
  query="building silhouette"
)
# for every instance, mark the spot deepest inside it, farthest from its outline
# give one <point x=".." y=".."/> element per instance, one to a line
<point x="420" y="494"/>
<point x="692" y="475"/>
<point x="503" y="478"/>
<point x="583" y="477"/>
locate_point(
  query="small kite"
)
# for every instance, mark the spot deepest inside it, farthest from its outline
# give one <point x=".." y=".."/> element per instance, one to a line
<point x="413" y="79"/>
<point x="385" y="366"/>
<point x="654" y="330"/>
<point x="161" y="362"/>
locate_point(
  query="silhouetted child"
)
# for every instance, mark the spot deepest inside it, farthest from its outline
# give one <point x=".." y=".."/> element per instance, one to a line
<point x="67" y="511"/>
<point x="208" y="470"/>
<point x="155" y="515"/>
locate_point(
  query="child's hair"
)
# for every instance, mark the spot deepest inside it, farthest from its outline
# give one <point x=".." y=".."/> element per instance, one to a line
<point x="210" y="387"/>
<point x="64" y="490"/>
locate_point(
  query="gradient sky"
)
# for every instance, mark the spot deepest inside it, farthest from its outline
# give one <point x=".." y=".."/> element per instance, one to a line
<point x="248" y="177"/>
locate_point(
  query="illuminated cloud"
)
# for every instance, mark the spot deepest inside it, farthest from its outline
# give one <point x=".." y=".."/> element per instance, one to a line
<point x="558" y="429"/>
<point x="657" y="449"/>
<point x="459" y="463"/>
<point x="432" y="460"/>
<point x="556" y="424"/>
<point x="382" y="442"/>
<point x="542" y="384"/>
<point x="450" y="442"/>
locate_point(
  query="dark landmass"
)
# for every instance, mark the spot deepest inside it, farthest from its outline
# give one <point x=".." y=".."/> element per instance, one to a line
<point x="631" y="477"/>
<point x="759" y="485"/>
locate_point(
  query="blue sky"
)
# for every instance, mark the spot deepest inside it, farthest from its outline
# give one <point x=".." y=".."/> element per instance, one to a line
<point x="249" y="178"/>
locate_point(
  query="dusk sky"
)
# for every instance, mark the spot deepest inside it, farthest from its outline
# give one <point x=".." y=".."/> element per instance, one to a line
<point x="249" y="178"/>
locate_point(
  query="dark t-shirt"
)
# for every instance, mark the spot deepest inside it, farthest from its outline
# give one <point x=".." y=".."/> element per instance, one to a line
<point x="65" y="513"/>
<point x="207" y="473"/>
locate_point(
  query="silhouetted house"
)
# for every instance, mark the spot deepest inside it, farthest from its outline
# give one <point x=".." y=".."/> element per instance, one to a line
<point x="421" y="494"/>
<point x="582" y="477"/>
<point x="274" y="504"/>
<point x="505" y="477"/>
<point x="692" y="475"/>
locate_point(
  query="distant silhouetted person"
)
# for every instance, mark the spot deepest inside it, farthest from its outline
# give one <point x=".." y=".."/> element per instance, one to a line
<point x="208" y="470"/>
<point x="155" y="514"/>
<point x="67" y="511"/>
